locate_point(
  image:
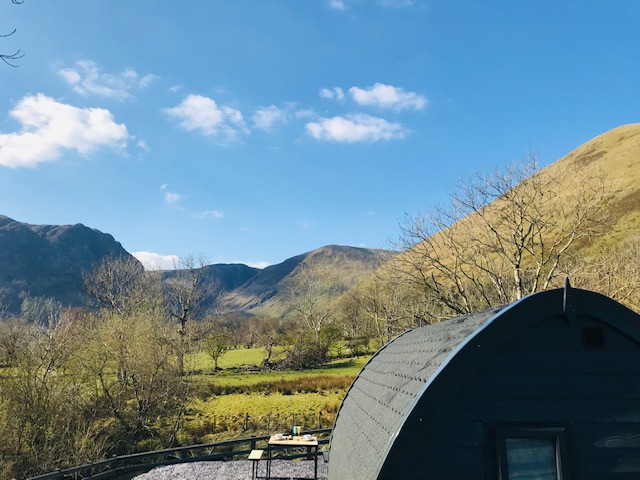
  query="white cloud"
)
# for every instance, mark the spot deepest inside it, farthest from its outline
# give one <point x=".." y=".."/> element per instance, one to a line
<point x="387" y="96"/>
<point x="142" y="145"/>
<point x="170" y="197"/>
<point x="175" y="88"/>
<point x="209" y="214"/>
<point x="267" y="117"/>
<point x="86" y="77"/>
<point x="305" y="113"/>
<point x="254" y="264"/>
<point x="155" y="261"/>
<point x="335" y="93"/>
<point x="203" y="114"/>
<point x="355" y="128"/>
<point x="50" y="127"/>
<point x="336" y="4"/>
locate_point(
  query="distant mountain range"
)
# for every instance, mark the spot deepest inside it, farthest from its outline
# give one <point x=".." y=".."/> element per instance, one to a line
<point x="49" y="260"/>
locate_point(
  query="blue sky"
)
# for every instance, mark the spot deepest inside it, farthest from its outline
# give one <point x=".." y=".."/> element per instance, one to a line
<point x="252" y="131"/>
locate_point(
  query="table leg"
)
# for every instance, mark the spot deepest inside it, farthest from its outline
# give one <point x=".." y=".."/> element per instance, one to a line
<point x="315" y="464"/>
<point x="268" y="461"/>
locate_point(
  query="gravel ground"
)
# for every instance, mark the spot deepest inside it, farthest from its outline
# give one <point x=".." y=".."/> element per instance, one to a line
<point x="234" y="470"/>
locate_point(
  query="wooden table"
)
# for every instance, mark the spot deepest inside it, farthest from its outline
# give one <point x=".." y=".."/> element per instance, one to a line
<point x="293" y="442"/>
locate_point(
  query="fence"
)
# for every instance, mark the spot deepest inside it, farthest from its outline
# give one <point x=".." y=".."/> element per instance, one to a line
<point x="142" y="462"/>
<point x="245" y="422"/>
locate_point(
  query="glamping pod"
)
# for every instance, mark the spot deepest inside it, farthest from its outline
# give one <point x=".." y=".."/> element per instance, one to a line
<point x="545" y="388"/>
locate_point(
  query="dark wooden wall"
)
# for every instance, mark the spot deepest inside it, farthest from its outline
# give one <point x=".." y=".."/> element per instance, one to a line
<point x="545" y="376"/>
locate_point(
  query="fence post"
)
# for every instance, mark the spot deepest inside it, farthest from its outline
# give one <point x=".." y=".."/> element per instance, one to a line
<point x="268" y="424"/>
<point x="246" y="421"/>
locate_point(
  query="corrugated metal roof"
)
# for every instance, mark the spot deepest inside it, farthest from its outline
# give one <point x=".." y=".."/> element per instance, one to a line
<point x="382" y="395"/>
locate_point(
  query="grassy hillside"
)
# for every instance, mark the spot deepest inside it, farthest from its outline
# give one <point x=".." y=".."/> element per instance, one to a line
<point x="614" y="158"/>
<point x="601" y="177"/>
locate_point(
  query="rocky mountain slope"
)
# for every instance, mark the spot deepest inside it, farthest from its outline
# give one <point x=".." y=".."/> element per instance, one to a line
<point x="48" y="260"/>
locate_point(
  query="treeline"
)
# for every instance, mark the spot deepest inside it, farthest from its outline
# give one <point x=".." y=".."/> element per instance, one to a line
<point x="80" y="384"/>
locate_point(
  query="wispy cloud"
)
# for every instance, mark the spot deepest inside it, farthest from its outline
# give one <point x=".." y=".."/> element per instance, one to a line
<point x="204" y="115"/>
<point x="49" y="127"/>
<point x="336" y="4"/>
<point x="304" y="224"/>
<point x="335" y="93"/>
<point x="388" y="96"/>
<point x="266" y="118"/>
<point x="142" y="145"/>
<point x="209" y="214"/>
<point x="355" y="128"/>
<point x="87" y="78"/>
<point x="170" y="197"/>
<point x="155" y="261"/>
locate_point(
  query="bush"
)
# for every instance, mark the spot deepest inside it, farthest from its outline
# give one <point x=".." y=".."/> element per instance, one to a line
<point x="305" y="355"/>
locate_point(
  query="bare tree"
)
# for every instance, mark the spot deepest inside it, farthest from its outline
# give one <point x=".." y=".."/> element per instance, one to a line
<point x="5" y="302"/>
<point x="8" y="58"/>
<point x="42" y="311"/>
<point x="613" y="270"/>
<point x="186" y="293"/>
<point x="310" y="293"/>
<point x="504" y="235"/>
<point x="119" y="284"/>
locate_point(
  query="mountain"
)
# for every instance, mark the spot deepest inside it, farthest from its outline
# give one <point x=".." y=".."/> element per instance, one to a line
<point x="614" y="159"/>
<point x="48" y="260"/>
<point x="263" y="293"/>
<point x="455" y="268"/>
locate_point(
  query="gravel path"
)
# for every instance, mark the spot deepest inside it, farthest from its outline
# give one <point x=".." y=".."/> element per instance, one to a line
<point x="234" y="470"/>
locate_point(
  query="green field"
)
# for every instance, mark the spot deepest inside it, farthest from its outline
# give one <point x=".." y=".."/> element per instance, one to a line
<point x="239" y="401"/>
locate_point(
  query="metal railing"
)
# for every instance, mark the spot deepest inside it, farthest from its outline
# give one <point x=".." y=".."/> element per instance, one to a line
<point x="145" y="461"/>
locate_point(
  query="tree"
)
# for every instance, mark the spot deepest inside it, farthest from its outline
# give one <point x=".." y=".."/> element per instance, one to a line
<point x="186" y="292"/>
<point x="613" y="270"/>
<point x="216" y="343"/>
<point x="381" y="308"/>
<point x="41" y="311"/>
<point x="14" y="337"/>
<point x="119" y="284"/>
<point x="310" y="293"/>
<point x="504" y="235"/>
<point x="8" y="58"/>
<point x="119" y="287"/>
<point x="5" y="302"/>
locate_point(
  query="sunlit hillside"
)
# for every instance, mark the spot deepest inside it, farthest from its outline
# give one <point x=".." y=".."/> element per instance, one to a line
<point x="578" y="217"/>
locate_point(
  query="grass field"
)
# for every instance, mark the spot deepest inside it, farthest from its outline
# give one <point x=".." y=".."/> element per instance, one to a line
<point x="237" y="401"/>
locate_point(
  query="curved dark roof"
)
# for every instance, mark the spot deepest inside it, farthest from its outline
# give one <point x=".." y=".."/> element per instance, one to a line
<point x="376" y="404"/>
<point x="384" y="394"/>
